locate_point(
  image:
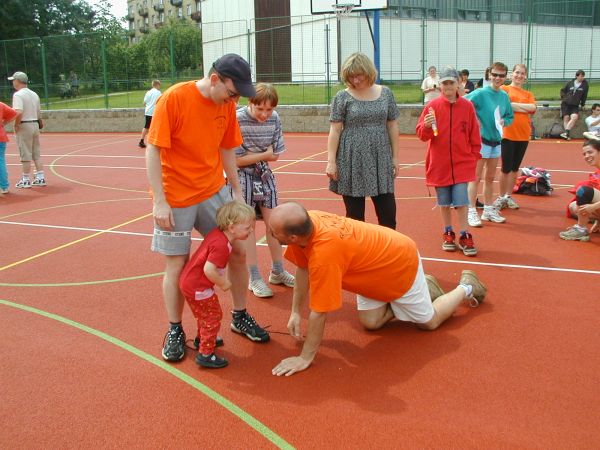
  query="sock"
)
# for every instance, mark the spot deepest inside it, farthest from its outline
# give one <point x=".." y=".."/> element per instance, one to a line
<point x="277" y="267"/>
<point x="176" y="326"/>
<point x="26" y="176"/>
<point x="448" y="229"/>
<point x="254" y="273"/>
<point x="463" y="233"/>
<point x="237" y="313"/>
<point x="39" y="175"/>
<point x="468" y="289"/>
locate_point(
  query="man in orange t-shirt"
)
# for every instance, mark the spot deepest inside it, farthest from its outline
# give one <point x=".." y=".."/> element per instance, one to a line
<point x="378" y="264"/>
<point x="191" y="141"/>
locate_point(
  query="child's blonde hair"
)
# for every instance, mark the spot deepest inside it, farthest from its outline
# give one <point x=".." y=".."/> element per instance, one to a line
<point x="358" y="64"/>
<point x="265" y="92"/>
<point x="232" y="213"/>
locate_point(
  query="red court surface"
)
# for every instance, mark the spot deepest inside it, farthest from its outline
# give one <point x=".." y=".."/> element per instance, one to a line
<point x="82" y="324"/>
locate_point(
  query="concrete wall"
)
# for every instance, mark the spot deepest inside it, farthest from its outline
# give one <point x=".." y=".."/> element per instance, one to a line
<point x="301" y="119"/>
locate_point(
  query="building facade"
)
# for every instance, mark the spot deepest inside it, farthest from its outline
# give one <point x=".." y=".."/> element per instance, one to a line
<point x="145" y="16"/>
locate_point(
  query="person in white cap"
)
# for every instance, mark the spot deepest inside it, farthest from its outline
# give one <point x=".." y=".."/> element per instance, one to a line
<point x="192" y="140"/>
<point x="27" y="129"/>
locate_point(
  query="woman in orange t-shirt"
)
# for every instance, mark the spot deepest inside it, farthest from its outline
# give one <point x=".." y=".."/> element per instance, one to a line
<point x="516" y="135"/>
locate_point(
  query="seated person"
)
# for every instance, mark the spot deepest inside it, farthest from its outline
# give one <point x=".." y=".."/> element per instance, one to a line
<point x="585" y="206"/>
<point x="593" y="123"/>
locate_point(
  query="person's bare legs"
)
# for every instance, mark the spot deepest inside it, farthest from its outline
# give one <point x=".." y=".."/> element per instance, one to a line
<point x="275" y="248"/>
<point x="507" y="181"/>
<point x="462" y="214"/>
<point x="238" y="275"/>
<point x="474" y="185"/>
<point x="446" y="216"/>
<point x="444" y="306"/>
<point x="488" y="182"/>
<point x="374" y="319"/>
<point x="173" y="298"/>
<point x="572" y="121"/>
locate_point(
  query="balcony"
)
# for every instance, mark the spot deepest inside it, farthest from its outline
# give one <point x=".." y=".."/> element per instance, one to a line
<point x="143" y="11"/>
<point x="197" y="16"/>
<point x="144" y="29"/>
<point x="159" y="7"/>
<point x="130" y="16"/>
<point x="176" y="2"/>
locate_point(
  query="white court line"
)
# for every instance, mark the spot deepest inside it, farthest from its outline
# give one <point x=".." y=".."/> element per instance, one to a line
<point x="452" y="261"/>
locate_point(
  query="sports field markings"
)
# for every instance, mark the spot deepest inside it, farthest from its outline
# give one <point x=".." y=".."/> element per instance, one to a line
<point x="228" y="405"/>
<point x="68" y="244"/>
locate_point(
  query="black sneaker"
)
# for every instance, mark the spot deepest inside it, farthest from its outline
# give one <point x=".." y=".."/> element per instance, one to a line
<point x="245" y="324"/>
<point x="478" y="204"/>
<point x="212" y="361"/>
<point x="174" y="345"/>
<point x="141" y="144"/>
<point x="218" y="343"/>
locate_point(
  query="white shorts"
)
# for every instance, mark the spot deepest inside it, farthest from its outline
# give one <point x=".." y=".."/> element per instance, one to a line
<point x="414" y="306"/>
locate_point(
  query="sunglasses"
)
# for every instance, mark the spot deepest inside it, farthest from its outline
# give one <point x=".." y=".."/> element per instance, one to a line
<point x="230" y="93"/>
<point x="498" y="75"/>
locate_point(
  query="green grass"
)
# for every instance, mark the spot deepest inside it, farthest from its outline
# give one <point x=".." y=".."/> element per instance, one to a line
<point x="299" y="94"/>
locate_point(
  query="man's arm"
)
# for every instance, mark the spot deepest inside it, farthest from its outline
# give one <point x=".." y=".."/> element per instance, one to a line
<point x="161" y="211"/>
<point x="230" y="168"/>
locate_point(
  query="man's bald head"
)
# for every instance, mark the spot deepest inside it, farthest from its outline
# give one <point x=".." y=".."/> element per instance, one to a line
<point x="290" y="219"/>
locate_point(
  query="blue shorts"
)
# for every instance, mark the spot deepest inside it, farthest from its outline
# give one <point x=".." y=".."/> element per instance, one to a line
<point x="488" y="152"/>
<point x="455" y="195"/>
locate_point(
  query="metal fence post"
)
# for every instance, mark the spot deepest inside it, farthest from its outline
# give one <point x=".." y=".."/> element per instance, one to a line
<point x="44" y="73"/>
<point x="172" y="57"/>
<point x="104" y="73"/>
<point x="327" y="63"/>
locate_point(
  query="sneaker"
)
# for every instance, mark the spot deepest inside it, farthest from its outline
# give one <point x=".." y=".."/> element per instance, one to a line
<point x="565" y="136"/>
<point x="260" y="288"/>
<point x="284" y="278"/>
<point x="448" y="244"/>
<point x="492" y="215"/>
<point x="510" y="202"/>
<point x="211" y="361"/>
<point x="174" y="345"/>
<point x="141" y="144"/>
<point x="218" y="342"/>
<point x="23" y="184"/>
<point x="591" y="136"/>
<point x="434" y="288"/>
<point x="39" y="182"/>
<point x="465" y="243"/>
<point x="478" y="204"/>
<point x="245" y="324"/>
<point x="473" y="218"/>
<point x="479" y="289"/>
<point x="5" y="191"/>
<point x="500" y="203"/>
<point x="575" y="233"/>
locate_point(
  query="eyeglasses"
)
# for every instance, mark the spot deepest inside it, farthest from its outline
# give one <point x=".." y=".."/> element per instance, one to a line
<point x="498" y="75"/>
<point x="230" y="93"/>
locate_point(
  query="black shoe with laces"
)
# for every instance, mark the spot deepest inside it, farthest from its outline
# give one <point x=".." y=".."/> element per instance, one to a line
<point x="211" y="361"/>
<point x="218" y="342"/>
<point x="244" y="323"/>
<point x="478" y="204"/>
<point x="142" y="144"/>
<point x="174" y="345"/>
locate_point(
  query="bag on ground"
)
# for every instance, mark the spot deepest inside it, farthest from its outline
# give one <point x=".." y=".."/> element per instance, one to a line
<point x="533" y="181"/>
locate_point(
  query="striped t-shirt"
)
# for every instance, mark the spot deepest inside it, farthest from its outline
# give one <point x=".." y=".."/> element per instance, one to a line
<point x="259" y="135"/>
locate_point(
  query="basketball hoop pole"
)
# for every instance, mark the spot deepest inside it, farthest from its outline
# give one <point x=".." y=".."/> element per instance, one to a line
<point x="375" y="38"/>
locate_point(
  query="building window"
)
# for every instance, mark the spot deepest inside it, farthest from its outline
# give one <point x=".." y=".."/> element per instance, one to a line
<point x="180" y="12"/>
<point x="161" y="17"/>
<point x="189" y="10"/>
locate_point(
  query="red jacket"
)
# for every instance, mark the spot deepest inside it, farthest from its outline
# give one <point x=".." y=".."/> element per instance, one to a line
<point x="451" y="155"/>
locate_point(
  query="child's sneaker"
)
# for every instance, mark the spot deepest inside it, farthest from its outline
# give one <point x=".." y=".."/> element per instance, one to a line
<point x="24" y="183"/>
<point x="491" y="214"/>
<point x="468" y="277"/>
<point x="39" y="182"/>
<point x="500" y="203"/>
<point x="473" y="218"/>
<point x="465" y="243"/>
<point x="575" y="233"/>
<point x="510" y="202"/>
<point x="5" y="191"/>
<point x="449" y="244"/>
<point x="260" y="288"/>
<point x="211" y="361"/>
<point x="284" y="278"/>
<point x="433" y="287"/>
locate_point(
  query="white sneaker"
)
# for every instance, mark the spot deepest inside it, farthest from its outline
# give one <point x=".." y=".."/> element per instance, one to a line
<point x="260" y="288"/>
<point x="24" y="183"/>
<point x="39" y="182"/>
<point x="500" y="203"/>
<point x="492" y="215"/>
<point x="473" y="218"/>
<point x="284" y="277"/>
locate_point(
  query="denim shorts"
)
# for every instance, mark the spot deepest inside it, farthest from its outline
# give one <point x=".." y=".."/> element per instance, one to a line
<point x="488" y="152"/>
<point x="455" y="195"/>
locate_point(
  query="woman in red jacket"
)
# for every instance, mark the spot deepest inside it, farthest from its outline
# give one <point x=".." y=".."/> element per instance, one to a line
<point x="450" y="126"/>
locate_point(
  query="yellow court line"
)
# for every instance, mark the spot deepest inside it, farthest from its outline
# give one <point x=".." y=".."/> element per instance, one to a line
<point x="299" y="161"/>
<point x="68" y="244"/>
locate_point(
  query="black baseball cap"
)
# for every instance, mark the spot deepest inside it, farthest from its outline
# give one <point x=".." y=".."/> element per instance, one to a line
<point x="236" y="68"/>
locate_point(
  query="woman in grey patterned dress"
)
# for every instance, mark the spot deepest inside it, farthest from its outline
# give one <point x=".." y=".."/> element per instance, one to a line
<point x="362" y="146"/>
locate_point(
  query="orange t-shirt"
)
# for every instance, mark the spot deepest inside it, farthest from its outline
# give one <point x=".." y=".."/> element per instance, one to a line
<point x="367" y="259"/>
<point x="189" y="129"/>
<point x="520" y="128"/>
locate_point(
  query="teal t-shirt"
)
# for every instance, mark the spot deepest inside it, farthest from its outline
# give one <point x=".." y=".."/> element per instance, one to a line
<point x="485" y="101"/>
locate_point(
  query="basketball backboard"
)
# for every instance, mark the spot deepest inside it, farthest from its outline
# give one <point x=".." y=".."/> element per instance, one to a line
<point x="329" y="6"/>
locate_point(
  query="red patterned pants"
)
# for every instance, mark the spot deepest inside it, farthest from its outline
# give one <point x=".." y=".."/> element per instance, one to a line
<point x="208" y="314"/>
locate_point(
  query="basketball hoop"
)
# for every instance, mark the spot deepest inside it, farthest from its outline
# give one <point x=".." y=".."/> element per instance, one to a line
<point x="342" y="10"/>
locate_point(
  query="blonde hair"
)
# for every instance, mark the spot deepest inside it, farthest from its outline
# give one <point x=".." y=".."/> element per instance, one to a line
<point x="156" y="83"/>
<point x="232" y="213"/>
<point x="265" y="92"/>
<point x="358" y="64"/>
<point x="522" y="66"/>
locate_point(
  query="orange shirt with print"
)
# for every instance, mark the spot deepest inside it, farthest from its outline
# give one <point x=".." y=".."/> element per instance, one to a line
<point x="520" y="128"/>
<point x="189" y="129"/>
<point x="367" y="259"/>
